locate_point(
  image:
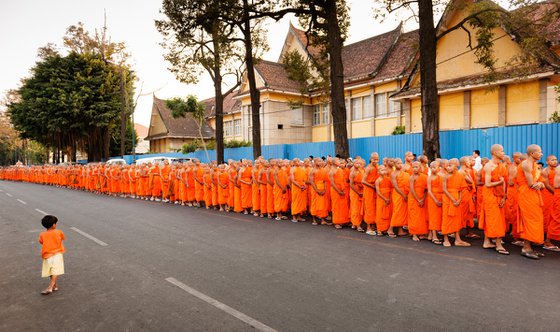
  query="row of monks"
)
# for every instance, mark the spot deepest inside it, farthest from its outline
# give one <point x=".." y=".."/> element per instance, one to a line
<point x="411" y="198"/>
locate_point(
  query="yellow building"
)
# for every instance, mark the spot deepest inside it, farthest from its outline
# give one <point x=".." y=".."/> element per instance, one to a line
<point x="520" y="95"/>
<point x="168" y="134"/>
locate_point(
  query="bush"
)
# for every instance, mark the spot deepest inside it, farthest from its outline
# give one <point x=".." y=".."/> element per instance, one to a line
<point x="399" y="130"/>
<point x="188" y="148"/>
<point x="237" y="144"/>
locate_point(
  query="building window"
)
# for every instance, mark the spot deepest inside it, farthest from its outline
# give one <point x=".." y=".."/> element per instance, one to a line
<point x="228" y="128"/>
<point x="325" y="119"/>
<point x="380" y="105"/>
<point x="297" y="116"/>
<point x="316" y="114"/>
<point x="237" y="127"/>
<point x="367" y="111"/>
<point x="356" y="109"/>
<point x="393" y="108"/>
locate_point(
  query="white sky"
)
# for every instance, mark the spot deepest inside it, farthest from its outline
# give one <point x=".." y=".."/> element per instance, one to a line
<point x="27" y="25"/>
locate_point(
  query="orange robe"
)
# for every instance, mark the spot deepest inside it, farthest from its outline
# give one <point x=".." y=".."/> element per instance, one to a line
<point x="299" y="196"/>
<point x="370" y="197"/>
<point x="155" y="181"/>
<point x="418" y="218"/>
<point x="207" y="189"/>
<point x="530" y="217"/>
<point x="554" y="225"/>
<point x="165" y="181"/>
<point x="434" y="211"/>
<point x="319" y="206"/>
<point x="383" y="211"/>
<point x="511" y="206"/>
<point x="199" y="184"/>
<point x="255" y="191"/>
<point x="340" y="203"/>
<point x="467" y="204"/>
<point x="263" y="198"/>
<point x="223" y="193"/>
<point x="356" y="202"/>
<point x="400" y="206"/>
<point x="191" y="189"/>
<point x="452" y="216"/>
<point x="492" y="218"/>
<point x="246" y="189"/>
<point x="237" y="203"/>
<point x="281" y="200"/>
<point x="270" y="192"/>
<point x="548" y="200"/>
<point x="232" y="183"/>
<point x="215" y="188"/>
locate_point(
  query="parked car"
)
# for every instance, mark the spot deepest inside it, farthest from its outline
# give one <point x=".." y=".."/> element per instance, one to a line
<point x="117" y="161"/>
<point x="152" y="160"/>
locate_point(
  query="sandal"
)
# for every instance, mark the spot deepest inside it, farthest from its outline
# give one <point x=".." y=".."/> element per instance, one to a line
<point x="502" y="251"/>
<point x="337" y="226"/>
<point x="551" y="248"/>
<point x="314" y="223"/>
<point x="472" y="236"/>
<point x="436" y="241"/>
<point x="360" y="229"/>
<point x="529" y="254"/>
<point x="46" y="292"/>
<point x="392" y="235"/>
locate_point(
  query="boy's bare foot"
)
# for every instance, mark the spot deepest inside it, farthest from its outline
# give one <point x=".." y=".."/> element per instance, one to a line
<point x="462" y="244"/>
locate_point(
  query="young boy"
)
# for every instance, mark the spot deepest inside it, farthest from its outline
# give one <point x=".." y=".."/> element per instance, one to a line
<point x="53" y="263"/>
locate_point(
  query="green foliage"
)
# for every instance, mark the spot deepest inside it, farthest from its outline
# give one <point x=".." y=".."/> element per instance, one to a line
<point x="237" y="144"/>
<point x="555" y="117"/>
<point x="399" y="130"/>
<point x="296" y="67"/>
<point x="190" y="147"/>
<point x="115" y="147"/>
<point x="73" y="102"/>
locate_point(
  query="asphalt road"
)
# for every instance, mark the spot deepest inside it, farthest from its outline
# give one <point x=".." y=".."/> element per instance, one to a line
<point x="134" y="265"/>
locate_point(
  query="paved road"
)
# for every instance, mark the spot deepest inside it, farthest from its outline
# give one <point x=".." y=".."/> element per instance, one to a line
<point x="135" y="265"/>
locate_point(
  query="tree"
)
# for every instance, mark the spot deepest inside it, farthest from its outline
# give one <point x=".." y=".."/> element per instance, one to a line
<point x="326" y="23"/>
<point x="196" y="40"/>
<point x="484" y="17"/>
<point x="180" y="108"/>
<point x="72" y="102"/>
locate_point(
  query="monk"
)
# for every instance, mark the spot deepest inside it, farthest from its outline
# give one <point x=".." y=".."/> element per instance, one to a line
<point x="356" y="195"/>
<point x="384" y="206"/>
<point x="369" y="200"/>
<point x="318" y="178"/>
<point x="407" y="166"/>
<point x="245" y="180"/>
<point x="492" y="217"/>
<point x="399" y="197"/>
<point x="468" y="206"/>
<point x="512" y="199"/>
<point x="452" y="214"/>
<point x="281" y="198"/>
<point x="223" y="189"/>
<point x="207" y="179"/>
<point x="339" y="194"/>
<point x="547" y="176"/>
<point x="270" y="188"/>
<point x="155" y="183"/>
<point x="198" y="172"/>
<point x="262" y="187"/>
<point x="554" y="225"/>
<point x="417" y="211"/>
<point x="530" y="219"/>
<point x="255" y="188"/>
<point x="164" y="172"/>
<point x="298" y="179"/>
<point x="435" y="193"/>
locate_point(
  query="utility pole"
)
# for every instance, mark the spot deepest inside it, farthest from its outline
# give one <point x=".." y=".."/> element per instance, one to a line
<point x="123" y="108"/>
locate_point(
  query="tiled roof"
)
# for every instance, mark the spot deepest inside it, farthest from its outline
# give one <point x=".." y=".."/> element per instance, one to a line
<point x="276" y="77"/>
<point x="230" y="104"/>
<point x="314" y="51"/>
<point x="178" y="127"/>
<point x="365" y="57"/>
<point x="400" y="57"/>
<point x="478" y="80"/>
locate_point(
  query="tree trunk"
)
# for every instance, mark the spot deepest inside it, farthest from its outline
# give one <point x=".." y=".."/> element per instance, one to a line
<point x="337" y="80"/>
<point x="219" y="102"/>
<point x="255" y="93"/>
<point x="106" y="139"/>
<point x="123" y="112"/>
<point x="428" y="81"/>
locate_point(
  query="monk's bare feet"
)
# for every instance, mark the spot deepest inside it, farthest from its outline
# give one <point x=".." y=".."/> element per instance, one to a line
<point x="415" y="238"/>
<point x="446" y="244"/>
<point x="461" y="243"/>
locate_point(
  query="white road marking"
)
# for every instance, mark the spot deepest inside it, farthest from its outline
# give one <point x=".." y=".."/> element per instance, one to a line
<point x="94" y="239"/>
<point x="241" y="316"/>
<point x="9" y="195"/>
<point x="40" y="211"/>
<point x="22" y="202"/>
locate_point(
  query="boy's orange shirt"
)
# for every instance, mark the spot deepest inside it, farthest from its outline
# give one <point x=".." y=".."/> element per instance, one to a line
<point x="52" y="243"/>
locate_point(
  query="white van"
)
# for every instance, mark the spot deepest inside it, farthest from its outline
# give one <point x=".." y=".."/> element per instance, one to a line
<point x="152" y="160"/>
<point x="117" y="161"/>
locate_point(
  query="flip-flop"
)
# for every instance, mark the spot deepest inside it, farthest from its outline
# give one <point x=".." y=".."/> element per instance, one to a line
<point x="529" y="254"/>
<point x="502" y="251"/>
<point x="46" y="292"/>
<point x="436" y="241"/>
<point x="551" y="248"/>
<point x="392" y="235"/>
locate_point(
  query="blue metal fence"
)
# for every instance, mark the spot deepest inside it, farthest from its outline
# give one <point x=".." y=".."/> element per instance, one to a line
<point x="454" y="144"/>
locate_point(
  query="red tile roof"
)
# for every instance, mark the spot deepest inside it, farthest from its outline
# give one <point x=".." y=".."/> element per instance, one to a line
<point x="400" y="58"/>
<point x="178" y="127"/>
<point x="276" y="77"/>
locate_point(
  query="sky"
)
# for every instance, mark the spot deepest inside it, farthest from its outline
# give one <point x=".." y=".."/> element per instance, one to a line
<point x="27" y="25"/>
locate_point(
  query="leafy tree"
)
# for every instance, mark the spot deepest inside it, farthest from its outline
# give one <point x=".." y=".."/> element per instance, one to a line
<point x="72" y="102"/>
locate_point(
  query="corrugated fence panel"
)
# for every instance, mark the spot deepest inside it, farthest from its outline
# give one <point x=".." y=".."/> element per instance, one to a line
<point x="453" y="144"/>
<point x="304" y="150"/>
